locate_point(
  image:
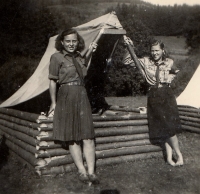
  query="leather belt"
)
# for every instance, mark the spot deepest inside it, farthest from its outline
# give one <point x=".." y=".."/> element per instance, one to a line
<point x="161" y="85"/>
<point x="74" y="83"/>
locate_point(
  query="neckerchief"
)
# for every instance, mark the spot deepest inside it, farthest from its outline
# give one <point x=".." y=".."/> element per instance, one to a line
<point x="77" y="65"/>
<point x="157" y="73"/>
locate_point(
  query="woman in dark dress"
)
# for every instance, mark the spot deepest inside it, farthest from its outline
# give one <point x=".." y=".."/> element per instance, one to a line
<point x="162" y="111"/>
<point x="72" y="122"/>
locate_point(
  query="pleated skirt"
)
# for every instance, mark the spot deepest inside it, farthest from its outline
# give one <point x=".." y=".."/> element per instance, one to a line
<point x="72" y="117"/>
<point x="162" y="112"/>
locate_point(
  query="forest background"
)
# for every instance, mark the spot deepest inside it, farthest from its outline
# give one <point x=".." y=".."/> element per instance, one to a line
<point x="26" y="26"/>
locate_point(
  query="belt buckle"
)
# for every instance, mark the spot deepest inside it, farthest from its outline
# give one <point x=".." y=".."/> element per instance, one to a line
<point x="74" y="83"/>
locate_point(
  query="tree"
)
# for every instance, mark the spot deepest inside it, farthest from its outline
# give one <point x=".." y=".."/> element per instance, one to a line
<point x="192" y="31"/>
<point x="25" y="28"/>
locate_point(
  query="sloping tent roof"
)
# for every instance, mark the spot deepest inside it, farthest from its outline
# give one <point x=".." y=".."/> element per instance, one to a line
<point x="191" y="95"/>
<point x="38" y="82"/>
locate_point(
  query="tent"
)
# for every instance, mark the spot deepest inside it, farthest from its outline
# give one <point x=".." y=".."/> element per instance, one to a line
<point x="191" y="95"/>
<point x="38" y="82"/>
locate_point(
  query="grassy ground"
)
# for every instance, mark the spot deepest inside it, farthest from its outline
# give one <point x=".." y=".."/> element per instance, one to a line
<point x="176" y="47"/>
<point x="174" y="44"/>
<point x="138" y="177"/>
<point x="127" y="101"/>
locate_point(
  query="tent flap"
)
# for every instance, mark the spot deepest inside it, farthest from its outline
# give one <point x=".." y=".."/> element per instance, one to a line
<point x="191" y="95"/>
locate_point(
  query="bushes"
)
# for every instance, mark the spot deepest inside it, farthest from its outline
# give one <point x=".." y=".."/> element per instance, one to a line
<point x="125" y="80"/>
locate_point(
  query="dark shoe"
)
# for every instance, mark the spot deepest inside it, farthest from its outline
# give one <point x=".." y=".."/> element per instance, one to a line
<point x="83" y="177"/>
<point x="93" y="178"/>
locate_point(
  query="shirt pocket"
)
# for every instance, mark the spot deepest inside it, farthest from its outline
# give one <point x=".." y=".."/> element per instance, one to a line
<point x="164" y="76"/>
<point x="64" y="66"/>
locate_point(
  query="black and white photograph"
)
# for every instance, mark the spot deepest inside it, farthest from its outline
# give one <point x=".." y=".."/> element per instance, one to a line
<point x="100" y="97"/>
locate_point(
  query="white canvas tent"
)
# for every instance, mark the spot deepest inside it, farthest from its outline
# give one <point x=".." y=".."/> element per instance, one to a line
<point x="38" y="82"/>
<point x="191" y="95"/>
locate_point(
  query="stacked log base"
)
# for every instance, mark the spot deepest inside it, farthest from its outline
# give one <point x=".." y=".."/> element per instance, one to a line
<point x="20" y="131"/>
<point x="121" y="136"/>
<point x="190" y="119"/>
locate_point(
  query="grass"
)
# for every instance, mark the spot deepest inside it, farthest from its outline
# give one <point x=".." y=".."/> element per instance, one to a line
<point x="137" y="101"/>
<point x="175" y="45"/>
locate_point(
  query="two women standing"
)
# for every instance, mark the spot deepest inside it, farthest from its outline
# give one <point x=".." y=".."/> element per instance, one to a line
<point x="72" y="112"/>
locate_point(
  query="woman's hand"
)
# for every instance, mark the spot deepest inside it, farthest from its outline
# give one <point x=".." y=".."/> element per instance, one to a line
<point x="127" y="41"/>
<point x="170" y="78"/>
<point x="52" y="90"/>
<point x="51" y="109"/>
<point x="93" y="46"/>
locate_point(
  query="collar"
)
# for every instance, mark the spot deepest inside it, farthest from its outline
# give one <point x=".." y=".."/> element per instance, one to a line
<point x="162" y="62"/>
<point x="65" y="53"/>
<point x="159" y="63"/>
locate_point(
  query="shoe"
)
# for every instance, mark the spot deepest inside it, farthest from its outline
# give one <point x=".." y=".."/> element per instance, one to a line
<point x="83" y="177"/>
<point x="93" y="178"/>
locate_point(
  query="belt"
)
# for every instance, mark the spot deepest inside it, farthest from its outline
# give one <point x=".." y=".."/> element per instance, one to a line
<point x="161" y="85"/>
<point x="74" y="83"/>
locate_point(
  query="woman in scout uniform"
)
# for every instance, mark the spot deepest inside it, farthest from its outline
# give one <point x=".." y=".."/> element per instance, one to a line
<point x="72" y="122"/>
<point x="162" y="111"/>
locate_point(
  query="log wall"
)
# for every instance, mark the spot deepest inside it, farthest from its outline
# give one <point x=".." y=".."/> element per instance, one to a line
<point x="121" y="136"/>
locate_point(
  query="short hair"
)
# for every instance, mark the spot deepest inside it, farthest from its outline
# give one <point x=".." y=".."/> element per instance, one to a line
<point x="60" y="37"/>
<point x="155" y="42"/>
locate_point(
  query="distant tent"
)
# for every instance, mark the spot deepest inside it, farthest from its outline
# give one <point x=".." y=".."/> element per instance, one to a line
<point x="191" y="95"/>
<point x="38" y="82"/>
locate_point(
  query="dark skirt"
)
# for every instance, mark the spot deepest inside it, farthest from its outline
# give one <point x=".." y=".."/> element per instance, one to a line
<point x="73" y="116"/>
<point x="163" y="116"/>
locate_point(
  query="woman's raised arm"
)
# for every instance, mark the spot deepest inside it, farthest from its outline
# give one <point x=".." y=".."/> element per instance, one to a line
<point x="129" y="44"/>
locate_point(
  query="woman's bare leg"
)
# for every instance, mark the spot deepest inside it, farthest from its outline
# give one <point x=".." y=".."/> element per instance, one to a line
<point x="89" y="152"/>
<point x="169" y="154"/>
<point x="76" y="153"/>
<point x="173" y="142"/>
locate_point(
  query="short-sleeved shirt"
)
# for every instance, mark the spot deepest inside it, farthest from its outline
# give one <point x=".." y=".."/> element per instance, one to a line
<point x="63" y="70"/>
<point x="166" y="69"/>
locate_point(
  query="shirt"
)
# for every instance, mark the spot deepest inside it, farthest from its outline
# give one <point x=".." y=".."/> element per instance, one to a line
<point x="167" y="70"/>
<point x="62" y="69"/>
